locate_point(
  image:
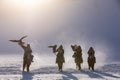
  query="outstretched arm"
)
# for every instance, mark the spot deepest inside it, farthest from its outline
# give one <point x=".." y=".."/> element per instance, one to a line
<point x="21" y="43"/>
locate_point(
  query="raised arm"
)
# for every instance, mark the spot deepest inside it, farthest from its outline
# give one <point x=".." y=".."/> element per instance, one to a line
<point x="22" y="45"/>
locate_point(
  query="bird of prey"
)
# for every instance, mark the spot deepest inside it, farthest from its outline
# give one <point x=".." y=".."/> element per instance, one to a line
<point x="19" y="41"/>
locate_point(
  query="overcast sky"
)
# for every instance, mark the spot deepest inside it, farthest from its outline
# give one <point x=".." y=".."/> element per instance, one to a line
<point x="84" y="22"/>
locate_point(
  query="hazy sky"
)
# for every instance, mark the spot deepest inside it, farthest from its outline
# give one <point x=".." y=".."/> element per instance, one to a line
<point x="85" y="22"/>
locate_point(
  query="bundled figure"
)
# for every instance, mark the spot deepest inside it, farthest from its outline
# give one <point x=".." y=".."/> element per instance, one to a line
<point x="59" y="56"/>
<point x="91" y="58"/>
<point x="77" y="56"/>
<point x="28" y="57"/>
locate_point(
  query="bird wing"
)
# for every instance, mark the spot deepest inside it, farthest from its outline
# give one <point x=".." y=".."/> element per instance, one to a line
<point x="18" y="40"/>
<point x="23" y="37"/>
<point x="14" y="40"/>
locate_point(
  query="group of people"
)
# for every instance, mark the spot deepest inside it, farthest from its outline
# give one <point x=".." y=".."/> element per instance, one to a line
<point x="59" y="52"/>
<point x="77" y="56"/>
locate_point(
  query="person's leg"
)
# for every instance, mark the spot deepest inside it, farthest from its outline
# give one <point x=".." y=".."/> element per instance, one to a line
<point x="58" y="66"/>
<point x="88" y="65"/>
<point x="61" y="65"/>
<point x="79" y="66"/>
<point x="28" y="67"/>
<point x="76" y="65"/>
<point x="24" y="64"/>
<point x="93" y="66"/>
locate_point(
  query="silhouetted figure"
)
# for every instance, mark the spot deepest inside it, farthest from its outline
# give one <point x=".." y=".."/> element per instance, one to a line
<point x="59" y="56"/>
<point x="91" y="58"/>
<point x="77" y="55"/>
<point x="28" y="57"/>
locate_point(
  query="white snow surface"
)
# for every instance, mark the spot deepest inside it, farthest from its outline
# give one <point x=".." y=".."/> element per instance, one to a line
<point x="46" y="69"/>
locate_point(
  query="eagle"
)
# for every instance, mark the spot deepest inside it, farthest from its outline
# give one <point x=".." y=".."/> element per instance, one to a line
<point x="19" y="41"/>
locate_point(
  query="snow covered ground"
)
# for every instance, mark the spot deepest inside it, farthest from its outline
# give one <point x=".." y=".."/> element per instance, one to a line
<point x="11" y="69"/>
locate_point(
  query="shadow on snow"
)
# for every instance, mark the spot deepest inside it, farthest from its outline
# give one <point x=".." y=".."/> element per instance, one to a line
<point x="67" y="74"/>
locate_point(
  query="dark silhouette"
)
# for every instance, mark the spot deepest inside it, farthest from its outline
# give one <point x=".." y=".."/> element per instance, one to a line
<point x="53" y="47"/>
<point x="19" y="41"/>
<point x="91" y="58"/>
<point x="77" y="55"/>
<point x="28" y="57"/>
<point x="59" y="56"/>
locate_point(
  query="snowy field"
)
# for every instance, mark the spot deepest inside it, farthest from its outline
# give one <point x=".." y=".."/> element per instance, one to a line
<point x="11" y="69"/>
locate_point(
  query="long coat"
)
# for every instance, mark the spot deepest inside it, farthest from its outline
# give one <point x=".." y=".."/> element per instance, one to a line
<point x="78" y="57"/>
<point x="60" y="56"/>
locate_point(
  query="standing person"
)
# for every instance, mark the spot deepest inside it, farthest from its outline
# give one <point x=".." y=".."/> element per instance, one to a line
<point x="77" y="55"/>
<point x="59" y="52"/>
<point x="91" y="58"/>
<point x="60" y="57"/>
<point x="28" y="57"/>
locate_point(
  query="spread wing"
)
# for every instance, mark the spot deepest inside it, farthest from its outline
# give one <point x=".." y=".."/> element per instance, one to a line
<point x="19" y="40"/>
<point x="14" y="40"/>
<point x="23" y="38"/>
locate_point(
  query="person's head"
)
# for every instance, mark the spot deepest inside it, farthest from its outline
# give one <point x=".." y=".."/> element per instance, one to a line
<point x="55" y="45"/>
<point x="61" y="47"/>
<point x="91" y="48"/>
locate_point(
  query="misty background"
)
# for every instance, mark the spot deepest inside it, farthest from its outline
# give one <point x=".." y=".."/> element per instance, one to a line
<point x="87" y="23"/>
